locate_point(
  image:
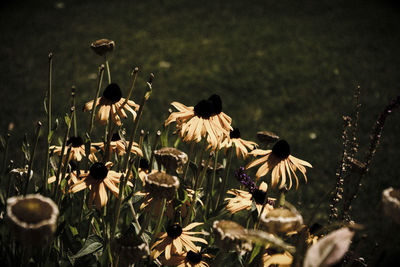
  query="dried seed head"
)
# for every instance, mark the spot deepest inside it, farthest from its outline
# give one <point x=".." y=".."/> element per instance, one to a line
<point x="282" y="220"/>
<point x="161" y="185"/>
<point x="171" y="158"/>
<point x="391" y="203"/>
<point x="33" y="218"/>
<point x="103" y="46"/>
<point x="231" y="235"/>
<point x="130" y="249"/>
<point x="267" y="137"/>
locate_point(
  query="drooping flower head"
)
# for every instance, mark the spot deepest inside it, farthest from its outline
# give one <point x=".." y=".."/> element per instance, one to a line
<point x="281" y="162"/>
<point x="112" y="104"/>
<point x="175" y="240"/>
<point x="242" y="146"/>
<point x="97" y="179"/>
<point x="204" y="119"/>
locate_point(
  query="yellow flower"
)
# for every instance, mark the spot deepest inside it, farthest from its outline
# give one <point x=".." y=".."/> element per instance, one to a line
<point x="112" y="103"/>
<point x="77" y="150"/>
<point x="187" y="259"/>
<point x="175" y="240"/>
<point x="242" y="146"/>
<point x="283" y="164"/>
<point x="119" y="146"/>
<point x="243" y="200"/>
<point x="271" y="258"/>
<point x="97" y="179"/>
<point x="204" y="119"/>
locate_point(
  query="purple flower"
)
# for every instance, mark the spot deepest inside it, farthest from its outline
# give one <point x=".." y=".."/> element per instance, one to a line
<point x="245" y="179"/>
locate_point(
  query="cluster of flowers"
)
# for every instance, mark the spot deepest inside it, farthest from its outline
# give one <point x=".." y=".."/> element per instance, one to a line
<point x="153" y="190"/>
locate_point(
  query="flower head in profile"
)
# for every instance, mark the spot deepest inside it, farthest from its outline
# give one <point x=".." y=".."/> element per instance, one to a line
<point x="242" y="146"/>
<point x="188" y="259"/>
<point x="97" y="179"/>
<point x="119" y="146"/>
<point x="282" y="164"/>
<point x="102" y="46"/>
<point x="176" y="240"/>
<point x="77" y="150"/>
<point x="204" y="119"/>
<point x="243" y="200"/>
<point x="112" y="104"/>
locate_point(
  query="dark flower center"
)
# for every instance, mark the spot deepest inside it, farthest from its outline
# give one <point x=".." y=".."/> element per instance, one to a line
<point x="259" y="196"/>
<point x="144" y="164"/>
<point x="98" y="171"/>
<point x="210" y="107"/>
<point x="174" y="231"/>
<point x="112" y="92"/>
<point x="115" y="137"/>
<point x="75" y="141"/>
<point x="235" y="133"/>
<point x="281" y="149"/>
<point x="193" y="257"/>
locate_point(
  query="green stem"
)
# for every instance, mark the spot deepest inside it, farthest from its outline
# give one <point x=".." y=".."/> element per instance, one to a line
<point x="160" y="219"/>
<point x="58" y="192"/>
<point x="73" y="105"/>
<point x="62" y="156"/>
<point x="191" y="152"/>
<point x="30" y="166"/>
<point x="210" y="195"/>
<point x="108" y="70"/>
<point x="134" y="74"/>
<point x="99" y="81"/>
<point x="108" y="137"/>
<point x="136" y="124"/>
<point x="3" y="169"/>
<point x="49" y="99"/>
<point x="224" y="179"/>
<point x="157" y="139"/>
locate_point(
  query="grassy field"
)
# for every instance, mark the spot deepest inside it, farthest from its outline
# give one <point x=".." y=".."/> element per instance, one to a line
<point x="285" y="66"/>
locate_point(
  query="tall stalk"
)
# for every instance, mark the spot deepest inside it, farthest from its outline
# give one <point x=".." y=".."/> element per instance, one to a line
<point x="30" y="165"/>
<point x="49" y="132"/>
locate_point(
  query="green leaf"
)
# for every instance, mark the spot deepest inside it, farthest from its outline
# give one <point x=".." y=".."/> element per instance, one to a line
<point x="73" y="230"/>
<point x="164" y="137"/>
<point x="92" y="244"/>
<point x="255" y="252"/>
<point x="177" y="141"/>
<point x="49" y="137"/>
<point x="67" y="120"/>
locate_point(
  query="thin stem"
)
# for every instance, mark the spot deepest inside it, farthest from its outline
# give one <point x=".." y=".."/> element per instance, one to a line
<point x="134" y="74"/>
<point x="30" y="166"/>
<point x="224" y="179"/>
<point x="49" y="100"/>
<point x="136" y="124"/>
<point x="99" y="81"/>
<point x="3" y="169"/>
<point x="62" y="156"/>
<point x="160" y="219"/>
<point x="191" y="152"/>
<point x="73" y="105"/>
<point x="157" y="139"/>
<point x="108" y="70"/>
<point x="107" y="142"/>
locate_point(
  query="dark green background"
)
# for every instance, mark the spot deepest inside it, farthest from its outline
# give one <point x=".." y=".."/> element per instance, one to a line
<point x="285" y="66"/>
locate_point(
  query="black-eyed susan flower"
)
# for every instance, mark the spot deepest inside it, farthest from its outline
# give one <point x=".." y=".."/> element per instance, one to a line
<point x="204" y="119"/>
<point x="112" y="104"/>
<point x="33" y="218"/>
<point x="282" y="164"/>
<point x="97" y="179"/>
<point x="188" y="259"/>
<point x="274" y="258"/>
<point x="243" y="200"/>
<point x="77" y="150"/>
<point x="176" y="240"/>
<point x="242" y="146"/>
<point x="119" y="146"/>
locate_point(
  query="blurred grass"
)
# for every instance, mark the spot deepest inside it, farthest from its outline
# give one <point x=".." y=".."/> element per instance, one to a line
<point x="285" y="66"/>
